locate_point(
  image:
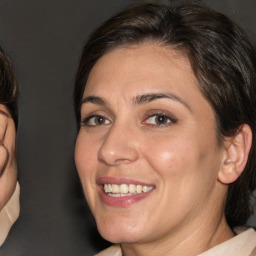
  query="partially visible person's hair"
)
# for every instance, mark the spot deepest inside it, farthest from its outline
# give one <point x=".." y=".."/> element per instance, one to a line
<point x="223" y="62"/>
<point x="8" y="86"/>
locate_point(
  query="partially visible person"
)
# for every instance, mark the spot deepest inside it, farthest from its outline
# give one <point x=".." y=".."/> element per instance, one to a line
<point x="9" y="187"/>
<point x="166" y="152"/>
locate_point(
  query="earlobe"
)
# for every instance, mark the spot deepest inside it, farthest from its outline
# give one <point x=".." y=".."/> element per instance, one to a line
<point x="235" y="156"/>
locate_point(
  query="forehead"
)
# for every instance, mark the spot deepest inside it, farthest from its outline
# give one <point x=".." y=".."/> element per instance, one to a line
<point x="144" y="68"/>
<point x="148" y="65"/>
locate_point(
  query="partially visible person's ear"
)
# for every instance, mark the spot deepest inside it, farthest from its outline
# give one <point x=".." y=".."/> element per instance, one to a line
<point x="235" y="156"/>
<point x="8" y="165"/>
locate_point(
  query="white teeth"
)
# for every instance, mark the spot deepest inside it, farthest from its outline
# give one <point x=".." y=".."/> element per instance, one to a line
<point x="132" y="188"/>
<point x="125" y="189"/>
<point x="115" y="188"/>
<point x="145" y="189"/>
<point x="139" y="188"/>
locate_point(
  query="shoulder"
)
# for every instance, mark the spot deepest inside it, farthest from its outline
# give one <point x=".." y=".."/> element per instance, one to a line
<point x="253" y="253"/>
<point x="243" y="244"/>
<point x="113" y="250"/>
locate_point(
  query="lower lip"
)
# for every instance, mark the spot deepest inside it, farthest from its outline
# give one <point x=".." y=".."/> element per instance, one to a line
<point x="124" y="201"/>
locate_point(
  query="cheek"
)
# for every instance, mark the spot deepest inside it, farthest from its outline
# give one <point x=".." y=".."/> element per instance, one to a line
<point x="167" y="156"/>
<point x="182" y="165"/>
<point x="84" y="159"/>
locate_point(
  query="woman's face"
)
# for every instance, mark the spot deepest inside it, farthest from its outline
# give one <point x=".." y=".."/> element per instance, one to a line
<point x="146" y="152"/>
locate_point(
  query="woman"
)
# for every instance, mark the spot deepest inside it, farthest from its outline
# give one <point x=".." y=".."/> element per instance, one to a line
<point x="9" y="187"/>
<point x="166" y="103"/>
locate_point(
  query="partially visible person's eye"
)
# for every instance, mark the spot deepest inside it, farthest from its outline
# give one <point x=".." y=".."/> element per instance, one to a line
<point x="95" y="120"/>
<point x="159" y="119"/>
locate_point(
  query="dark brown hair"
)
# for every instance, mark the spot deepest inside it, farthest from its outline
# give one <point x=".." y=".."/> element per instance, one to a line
<point x="223" y="61"/>
<point x="8" y="86"/>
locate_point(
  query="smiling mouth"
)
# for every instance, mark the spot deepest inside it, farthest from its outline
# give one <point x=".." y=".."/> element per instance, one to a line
<point x="115" y="190"/>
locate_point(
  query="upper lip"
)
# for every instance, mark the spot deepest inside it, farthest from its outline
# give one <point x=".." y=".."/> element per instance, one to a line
<point x="120" y="180"/>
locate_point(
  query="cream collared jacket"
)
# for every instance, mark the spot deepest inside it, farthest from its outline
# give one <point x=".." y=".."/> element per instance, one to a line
<point x="9" y="214"/>
<point x="243" y="244"/>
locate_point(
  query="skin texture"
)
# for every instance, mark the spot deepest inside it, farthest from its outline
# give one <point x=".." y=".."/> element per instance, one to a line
<point x="180" y="157"/>
<point x="8" y="166"/>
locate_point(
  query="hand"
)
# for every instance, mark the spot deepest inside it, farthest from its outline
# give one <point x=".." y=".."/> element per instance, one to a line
<point x="8" y="165"/>
<point x="4" y="154"/>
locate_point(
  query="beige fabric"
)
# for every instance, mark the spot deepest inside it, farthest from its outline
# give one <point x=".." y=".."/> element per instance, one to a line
<point x="113" y="250"/>
<point x="244" y="244"/>
<point x="9" y="214"/>
<point x="240" y="245"/>
<point x="253" y="253"/>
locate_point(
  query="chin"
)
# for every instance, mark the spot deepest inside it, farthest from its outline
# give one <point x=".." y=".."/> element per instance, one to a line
<point x="119" y="237"/>
<point x="120" y="232"/>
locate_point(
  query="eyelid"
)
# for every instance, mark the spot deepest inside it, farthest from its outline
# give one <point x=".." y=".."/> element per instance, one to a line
<point x="86" y="118"/>
<point x="163" y="113"/>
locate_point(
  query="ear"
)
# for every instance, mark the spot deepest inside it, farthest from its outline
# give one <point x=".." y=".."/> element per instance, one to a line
<point x="235" y="156"/>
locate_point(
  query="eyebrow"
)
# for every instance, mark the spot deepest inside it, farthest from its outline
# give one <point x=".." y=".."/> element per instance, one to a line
<point x="146" y="98"/>
<point x="95" y="100"/>
<point x="138" y="100"/>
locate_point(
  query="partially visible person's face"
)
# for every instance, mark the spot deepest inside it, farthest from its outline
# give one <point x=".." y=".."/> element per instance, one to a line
<point x="8" y="166"/>
<point x="147" y="153"/>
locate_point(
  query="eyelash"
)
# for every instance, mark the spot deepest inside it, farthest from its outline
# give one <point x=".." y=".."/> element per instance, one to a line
<point x="86" y="120"/>
<point x="105" y="121"/>
<point x="167" y="118"/>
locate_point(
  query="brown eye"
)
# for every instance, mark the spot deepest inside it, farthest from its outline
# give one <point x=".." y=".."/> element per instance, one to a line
<point x="96" y="120"/>
<point x="158" y="120"/>
<point x="161" y="119"/>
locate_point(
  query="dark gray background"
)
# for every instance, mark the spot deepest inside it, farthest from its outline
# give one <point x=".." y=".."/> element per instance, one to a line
<point x="44" y="39"/>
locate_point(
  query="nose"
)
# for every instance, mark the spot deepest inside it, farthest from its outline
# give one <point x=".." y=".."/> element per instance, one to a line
<point x="119" y="146"/>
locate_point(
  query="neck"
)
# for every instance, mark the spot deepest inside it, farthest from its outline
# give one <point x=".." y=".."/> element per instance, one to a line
<point x="185" y="242"/>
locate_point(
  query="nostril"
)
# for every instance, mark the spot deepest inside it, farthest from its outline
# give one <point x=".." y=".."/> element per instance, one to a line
<point x="117" y="154"/>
